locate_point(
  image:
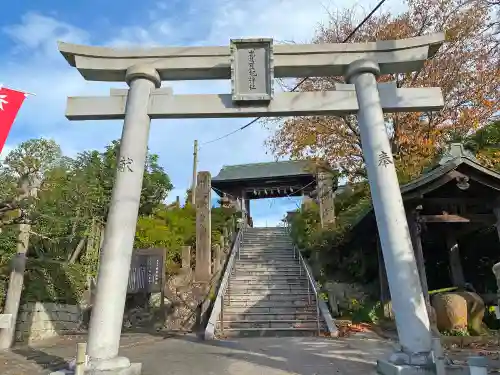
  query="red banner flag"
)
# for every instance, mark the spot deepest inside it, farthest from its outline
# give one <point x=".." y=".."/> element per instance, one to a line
<point x="10" y="102"/>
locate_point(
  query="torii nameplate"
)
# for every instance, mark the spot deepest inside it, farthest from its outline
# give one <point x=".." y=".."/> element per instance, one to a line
<point x="252" y="73"/>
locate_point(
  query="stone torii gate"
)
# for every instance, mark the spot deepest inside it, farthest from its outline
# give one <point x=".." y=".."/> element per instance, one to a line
<point x="252" y="65"/>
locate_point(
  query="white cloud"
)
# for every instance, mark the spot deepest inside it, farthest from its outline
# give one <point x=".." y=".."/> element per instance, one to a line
<point x="35" y="65"/>
<point x="36" y="33"/>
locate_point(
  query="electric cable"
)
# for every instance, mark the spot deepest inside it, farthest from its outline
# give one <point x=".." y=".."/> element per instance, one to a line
<point x="351" y="34"/>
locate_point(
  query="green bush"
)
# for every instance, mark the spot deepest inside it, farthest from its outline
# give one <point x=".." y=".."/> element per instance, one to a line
<point x="490" y="318"/>
<point x="327" y="247"/>
<point x="47" y="281"/>
<point x="174" y="227"/>
<point x="54" y="282"/>
<point x="367" y="312"/>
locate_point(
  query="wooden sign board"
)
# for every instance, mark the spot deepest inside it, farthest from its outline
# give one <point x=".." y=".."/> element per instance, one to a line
<point x="147" y="271"/>
<point x="252" y="72"/>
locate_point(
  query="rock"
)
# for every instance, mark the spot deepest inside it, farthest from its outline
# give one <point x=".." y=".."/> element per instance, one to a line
<point x="475" y="312"/>
<point x="459" y="311"/>
<point x="155" y="300"/>
<point x="342" y="294"/>
<point x="139" y="317"/>
<point x="451" y="311"/>
<point x="389" y="313"/>
<point x="183" y="278"/>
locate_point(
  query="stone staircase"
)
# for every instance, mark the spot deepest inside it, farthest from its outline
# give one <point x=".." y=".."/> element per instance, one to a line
<point x="268" y="292"/>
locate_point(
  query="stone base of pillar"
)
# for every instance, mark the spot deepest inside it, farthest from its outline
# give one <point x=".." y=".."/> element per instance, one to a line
<point x="106" y="368"/>
<point x="389" y="368"/>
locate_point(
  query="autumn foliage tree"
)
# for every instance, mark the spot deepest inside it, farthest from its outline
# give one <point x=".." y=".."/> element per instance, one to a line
<point x="467" y="68"/>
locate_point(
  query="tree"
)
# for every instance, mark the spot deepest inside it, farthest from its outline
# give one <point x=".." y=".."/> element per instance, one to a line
<point x="23" y="170"/>
<point x="76" y="196"/>
<point x="486" y="145"/>
<point x="466" y="68"/>
<point x="27" y="163"/>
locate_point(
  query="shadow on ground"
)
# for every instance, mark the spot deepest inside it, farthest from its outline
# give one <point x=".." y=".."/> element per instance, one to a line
<point x="307" y="355"/>
<point x="270" y="355"/>
<point x="42" y="359"/>
<point x="169" y="354"/>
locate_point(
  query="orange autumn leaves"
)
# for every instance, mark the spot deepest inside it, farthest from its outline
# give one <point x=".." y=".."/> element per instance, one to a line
<point x="467" y="68"/>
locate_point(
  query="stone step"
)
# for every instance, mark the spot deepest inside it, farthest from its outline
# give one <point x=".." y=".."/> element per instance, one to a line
<point x="284" y="273"/>
<point x="243" y="316"/>
<point x="274" y="267"/>
<point x="267" y="242"/>
<point x="258" y="258"/>
<point x="267" y="279"/>
<point x="271" y="269"/>
<point x="270" y="240"/>
<point x="268" y="246"/>
<point x="267" y="332"/>
<point x="271" y="324"/>
<point x="276" y="310"/>
<point x="268" y="236"/>
<point x="259" y="289"/>
<point x="267" y="303"/>
<point x="254" y="298"/>
<point x="266" y="233"/>
<point x="267" y="267"/>
<point x="268" y="292"/>
<point x="265" y="251"/>
<point x="267" y="257"/>
<point x="275" y="270"/>
<point x="271" y="261"/>
<point x="266" y="285"/>
<point x="270" y="265"/>
<point x="273" y="238"/>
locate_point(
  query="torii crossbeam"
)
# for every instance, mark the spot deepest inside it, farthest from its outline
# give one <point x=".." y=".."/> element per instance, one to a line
<point x="164" y="105"/>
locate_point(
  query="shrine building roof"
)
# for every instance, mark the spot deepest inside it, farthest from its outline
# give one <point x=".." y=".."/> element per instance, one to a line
<point x="266" y="180"/>
<point x="257" y="171"/>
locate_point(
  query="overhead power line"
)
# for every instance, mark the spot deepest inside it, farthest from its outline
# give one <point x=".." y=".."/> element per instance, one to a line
<point x="351" y="34"/>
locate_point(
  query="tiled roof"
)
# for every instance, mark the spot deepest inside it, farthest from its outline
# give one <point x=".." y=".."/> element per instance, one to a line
<point x="264" y="170"/>
<point x="450" y="160"/>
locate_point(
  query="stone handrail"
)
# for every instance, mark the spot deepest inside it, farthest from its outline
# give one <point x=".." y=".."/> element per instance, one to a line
<point x="321" y="305"/>
<point x="209" y="332"/>
<point x="192" y="63"/>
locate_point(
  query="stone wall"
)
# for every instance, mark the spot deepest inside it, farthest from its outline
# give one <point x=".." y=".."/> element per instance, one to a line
<point x="38" y="321"/>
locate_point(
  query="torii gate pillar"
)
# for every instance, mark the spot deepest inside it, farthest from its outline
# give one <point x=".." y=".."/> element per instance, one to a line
<point x="404" y="283"/>
<point x="114" y="266"/>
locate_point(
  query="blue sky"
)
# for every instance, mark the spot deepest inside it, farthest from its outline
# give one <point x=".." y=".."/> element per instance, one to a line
<point x="30" y="61"/>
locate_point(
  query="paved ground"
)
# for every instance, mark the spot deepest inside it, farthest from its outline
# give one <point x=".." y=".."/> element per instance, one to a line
<point x="186" y="355"/>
